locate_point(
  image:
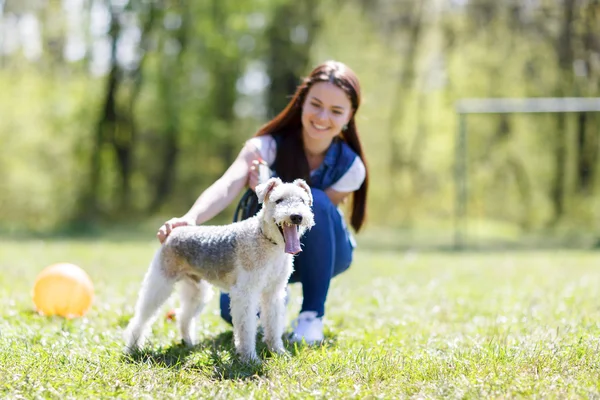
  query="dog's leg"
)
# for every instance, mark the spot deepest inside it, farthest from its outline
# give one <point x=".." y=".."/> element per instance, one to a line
<point x="244" y="306"/>
<point x="273" y="317"/>
<point x="194" y="296"/>
<point x="155" y="290"/>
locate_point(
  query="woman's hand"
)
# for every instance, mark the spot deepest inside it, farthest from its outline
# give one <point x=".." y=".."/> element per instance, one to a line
<point x="165" y="230"/>
<point x="254" y="173"/>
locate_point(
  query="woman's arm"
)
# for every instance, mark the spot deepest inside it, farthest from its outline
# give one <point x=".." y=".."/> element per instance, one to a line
<point x="348" y="183"/>
<point x="336" y="197"/>
<point x="221" y="193"/>
<point x="217" y="196"/>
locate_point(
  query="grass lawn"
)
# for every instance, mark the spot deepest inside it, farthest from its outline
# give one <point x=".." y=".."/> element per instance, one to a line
<point x="425" y="325"/>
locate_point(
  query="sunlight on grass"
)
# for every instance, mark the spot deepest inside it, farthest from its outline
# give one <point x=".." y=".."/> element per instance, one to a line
<point x="398" y="324"/>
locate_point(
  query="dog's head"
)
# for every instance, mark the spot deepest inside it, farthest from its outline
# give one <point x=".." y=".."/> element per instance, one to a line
<point x="288" y="206"/>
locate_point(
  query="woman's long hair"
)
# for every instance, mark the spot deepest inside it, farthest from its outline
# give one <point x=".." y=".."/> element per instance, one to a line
<point x="291" y="162"/>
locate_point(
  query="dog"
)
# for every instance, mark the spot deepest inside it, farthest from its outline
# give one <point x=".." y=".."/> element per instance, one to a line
<point x="252" y="260"/>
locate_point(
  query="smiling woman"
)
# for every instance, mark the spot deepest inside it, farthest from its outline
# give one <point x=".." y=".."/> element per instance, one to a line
<point x="326" y="111"/>
<point x="314" y="138"/>
<point x="321" y="113"/>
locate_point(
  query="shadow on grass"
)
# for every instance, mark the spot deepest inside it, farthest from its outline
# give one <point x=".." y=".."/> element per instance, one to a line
<point x="216" y="358"/>
<point x="213" y="356"/>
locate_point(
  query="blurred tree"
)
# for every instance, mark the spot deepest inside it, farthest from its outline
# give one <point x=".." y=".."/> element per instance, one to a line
<point x="564" y="88"/>
<point x="290" y="37"/>
<point x="106" y="128"/>
<point x="116" y="127"/>
<point x="144" y="102"/>
<point x="171" y="67"/>
<point x="587" y="68"/>
<point x="405" y="23"/>
<point x="572" y="33"/>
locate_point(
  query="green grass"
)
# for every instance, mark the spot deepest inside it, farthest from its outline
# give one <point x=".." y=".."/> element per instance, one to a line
<point x="399" y="324"/>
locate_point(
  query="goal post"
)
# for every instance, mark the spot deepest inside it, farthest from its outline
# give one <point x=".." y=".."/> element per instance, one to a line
<point x="466" y="107"/>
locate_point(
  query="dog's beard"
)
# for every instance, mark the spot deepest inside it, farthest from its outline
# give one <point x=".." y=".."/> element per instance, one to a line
<point x="291" y="237"/>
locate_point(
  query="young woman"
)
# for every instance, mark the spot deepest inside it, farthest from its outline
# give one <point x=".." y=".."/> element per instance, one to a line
<point x="314" y="138"/>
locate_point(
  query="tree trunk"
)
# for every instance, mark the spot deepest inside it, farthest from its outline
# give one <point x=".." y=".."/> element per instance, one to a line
<point x="564" y="52"/>
<point x="404" y="83"/>
<point x="123" y="144"/>
<point x="104" y="128"/>
<point x="587" y="155"/>
<point x="164" y="182"/>
<point x="169" y="88"/>
<point x="289" y="56"/>
<point x="560" y="161"/>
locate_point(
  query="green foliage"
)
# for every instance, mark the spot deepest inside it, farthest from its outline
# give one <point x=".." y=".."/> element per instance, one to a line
<point x="44" y="137"/>
<point x="183" y="110"/>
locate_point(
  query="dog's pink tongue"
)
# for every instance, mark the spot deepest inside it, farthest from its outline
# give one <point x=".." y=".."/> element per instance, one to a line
<point x="292" y="241"/>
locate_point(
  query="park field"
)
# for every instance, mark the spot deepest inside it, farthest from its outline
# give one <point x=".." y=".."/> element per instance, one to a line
<point x="399" y="324"/>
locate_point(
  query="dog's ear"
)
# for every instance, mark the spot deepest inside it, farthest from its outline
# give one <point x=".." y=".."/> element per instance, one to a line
<point x="263" y="190"/>
<point x="304" y="185"/>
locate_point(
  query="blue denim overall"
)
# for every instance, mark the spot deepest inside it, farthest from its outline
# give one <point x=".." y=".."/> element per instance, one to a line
<point x="327" y="248"/>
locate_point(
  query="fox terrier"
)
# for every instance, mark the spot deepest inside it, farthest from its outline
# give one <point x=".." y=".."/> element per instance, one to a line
<point x="251" y="259"/>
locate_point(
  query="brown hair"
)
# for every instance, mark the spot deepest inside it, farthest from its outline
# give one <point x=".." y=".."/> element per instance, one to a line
<point x="291" y="162"/>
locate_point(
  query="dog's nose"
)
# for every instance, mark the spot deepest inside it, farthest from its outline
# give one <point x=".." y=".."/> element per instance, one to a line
<point x="296" y="219"/>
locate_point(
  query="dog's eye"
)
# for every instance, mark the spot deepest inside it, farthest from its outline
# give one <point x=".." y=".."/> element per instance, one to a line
<point x="278" y="201"/>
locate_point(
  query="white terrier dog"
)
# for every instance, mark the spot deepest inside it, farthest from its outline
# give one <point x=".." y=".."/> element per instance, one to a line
<point x="251" y="259"/>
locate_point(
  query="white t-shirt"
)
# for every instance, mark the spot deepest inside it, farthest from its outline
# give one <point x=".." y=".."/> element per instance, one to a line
<point x="349" y="182"/>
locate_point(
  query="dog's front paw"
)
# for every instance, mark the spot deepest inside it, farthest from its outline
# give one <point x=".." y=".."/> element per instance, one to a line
<point x="134" y="340"/>
<point x="281" y="351"/>
<point x="250" y="358"/>
<point x="277" y="348"/>
<point x="189" y="342"/>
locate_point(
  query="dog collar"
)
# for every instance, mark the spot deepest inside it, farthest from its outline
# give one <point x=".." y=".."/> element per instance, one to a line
<point x="268" y="238"/>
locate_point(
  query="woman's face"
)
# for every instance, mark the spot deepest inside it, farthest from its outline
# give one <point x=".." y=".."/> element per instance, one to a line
<point x="325" y="111"/>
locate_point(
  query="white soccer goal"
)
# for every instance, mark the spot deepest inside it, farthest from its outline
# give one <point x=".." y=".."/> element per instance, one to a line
<point x="464" y="107"/>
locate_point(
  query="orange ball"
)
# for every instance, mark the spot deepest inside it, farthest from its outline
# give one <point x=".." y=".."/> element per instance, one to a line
<point x="63" y="289"/>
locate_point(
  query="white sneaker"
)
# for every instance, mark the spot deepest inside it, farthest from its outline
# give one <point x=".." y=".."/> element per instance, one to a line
<point x="308" y="328"/>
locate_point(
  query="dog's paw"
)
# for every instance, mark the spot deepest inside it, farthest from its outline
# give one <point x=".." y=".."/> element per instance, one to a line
<point x="189" y="342"/>
<point x="277" y="348"/>
<point x="250" y="358"/>
<point x="280" y="351"/>
<point x="130" y="350"/>
<point x="131" y="346"/>
<point x="134" y="339"/>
